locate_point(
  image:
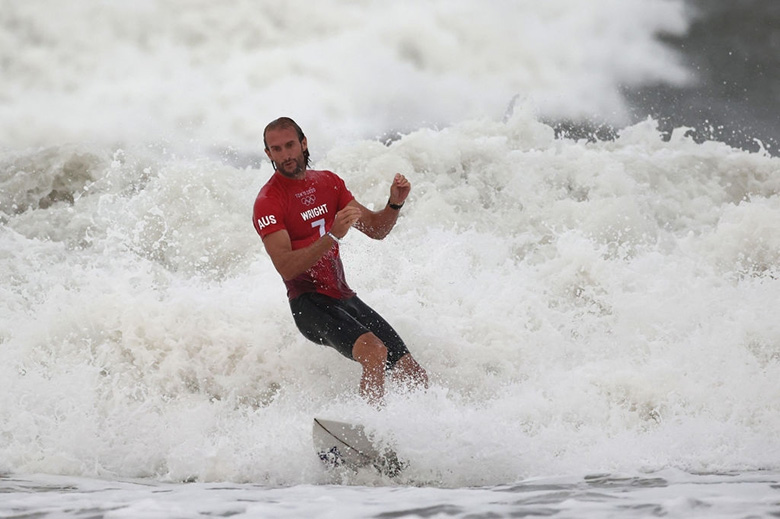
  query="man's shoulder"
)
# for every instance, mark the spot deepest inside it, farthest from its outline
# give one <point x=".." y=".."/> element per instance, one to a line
<point x="322" y="173"/>
<point x="272" y="188"/>
<point x="325" y="176"/>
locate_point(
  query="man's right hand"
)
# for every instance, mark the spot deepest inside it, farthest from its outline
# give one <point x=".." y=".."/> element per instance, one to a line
<point x="344" y="220"/>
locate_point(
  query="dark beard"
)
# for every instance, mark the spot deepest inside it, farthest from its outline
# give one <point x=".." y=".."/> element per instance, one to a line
<point x="299" y="168"/>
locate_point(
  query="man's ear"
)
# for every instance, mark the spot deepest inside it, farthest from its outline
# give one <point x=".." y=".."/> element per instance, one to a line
<point x="304" y="144"/>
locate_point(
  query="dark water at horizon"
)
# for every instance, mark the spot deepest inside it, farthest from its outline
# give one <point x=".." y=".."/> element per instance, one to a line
<point x="733" y="47"/>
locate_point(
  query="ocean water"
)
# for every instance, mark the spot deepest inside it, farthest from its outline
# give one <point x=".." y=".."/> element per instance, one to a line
<point x="668" y="494"/>
<point x="597" y="315"/>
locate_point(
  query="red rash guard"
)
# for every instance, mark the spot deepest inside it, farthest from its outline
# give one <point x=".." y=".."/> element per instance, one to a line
<point x="306" y="209"/>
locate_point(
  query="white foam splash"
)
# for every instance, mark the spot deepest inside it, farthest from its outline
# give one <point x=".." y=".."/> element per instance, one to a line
<point x="580" y="306"/>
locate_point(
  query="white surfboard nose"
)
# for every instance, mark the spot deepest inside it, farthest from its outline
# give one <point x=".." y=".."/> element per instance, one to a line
<point x="344" y="444"/>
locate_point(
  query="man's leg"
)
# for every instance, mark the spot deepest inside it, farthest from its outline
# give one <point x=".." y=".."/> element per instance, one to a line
<point x="371" y="353"/>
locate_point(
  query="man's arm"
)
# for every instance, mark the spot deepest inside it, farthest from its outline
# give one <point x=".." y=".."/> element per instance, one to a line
<point x="292" y="263"/>
<point x="378" y="224"/>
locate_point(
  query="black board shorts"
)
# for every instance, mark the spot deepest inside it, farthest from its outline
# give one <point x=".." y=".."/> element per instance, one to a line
<point x="339" y="322"/>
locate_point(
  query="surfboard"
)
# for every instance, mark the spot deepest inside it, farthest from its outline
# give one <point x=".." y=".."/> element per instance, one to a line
<point x="341" y="444"/>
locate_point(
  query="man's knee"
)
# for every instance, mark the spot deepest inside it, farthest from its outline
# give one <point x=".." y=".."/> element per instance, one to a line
<point x="369" y="351"/>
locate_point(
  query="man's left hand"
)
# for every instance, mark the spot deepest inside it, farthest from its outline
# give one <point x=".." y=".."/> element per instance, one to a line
<point x="399" y="189"/>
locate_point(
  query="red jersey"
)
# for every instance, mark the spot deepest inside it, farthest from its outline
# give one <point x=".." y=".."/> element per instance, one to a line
<point x="306" y="209"/>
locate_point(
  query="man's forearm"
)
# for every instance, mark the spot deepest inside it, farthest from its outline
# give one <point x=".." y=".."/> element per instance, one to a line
<point x="295" y="262"/>
<point x="378" y="224"/>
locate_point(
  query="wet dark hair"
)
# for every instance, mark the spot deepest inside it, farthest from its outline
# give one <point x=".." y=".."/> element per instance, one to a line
<point x="286" y="122"/>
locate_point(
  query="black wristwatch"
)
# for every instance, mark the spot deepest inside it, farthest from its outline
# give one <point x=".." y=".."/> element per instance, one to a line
<point x="397" y="207"/>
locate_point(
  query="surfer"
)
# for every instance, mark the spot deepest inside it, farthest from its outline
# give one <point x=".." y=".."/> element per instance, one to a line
<point x="302" y="215"/>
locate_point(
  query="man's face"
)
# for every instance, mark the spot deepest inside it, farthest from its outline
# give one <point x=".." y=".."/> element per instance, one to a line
<point x="286" y="151"/>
